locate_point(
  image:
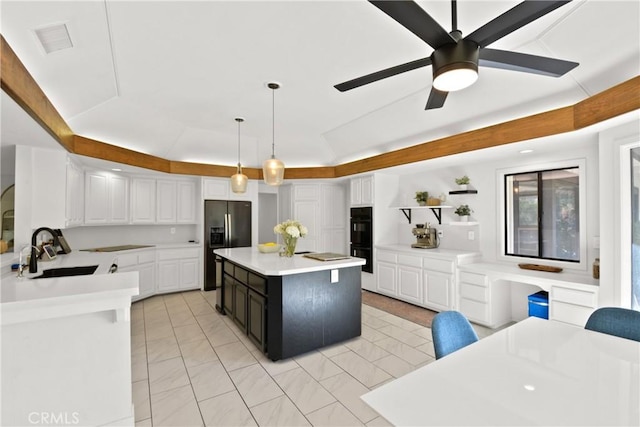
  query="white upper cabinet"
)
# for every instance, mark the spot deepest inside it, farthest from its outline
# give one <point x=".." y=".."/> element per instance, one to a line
<point x="106" y="198"/>
<point x="220" y="189"/>
<point x="362" y="191"/>
<point x="186" y="202"/>
<point x="167" y="209"/>
<point x="143" y="201"/>
<point x="75" y="195"/>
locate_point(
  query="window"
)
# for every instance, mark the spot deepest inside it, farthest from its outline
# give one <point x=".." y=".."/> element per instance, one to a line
<point x="543" y="214"/>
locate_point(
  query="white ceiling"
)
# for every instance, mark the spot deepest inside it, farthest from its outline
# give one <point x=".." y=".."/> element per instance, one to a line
<point x="167" y="78"/>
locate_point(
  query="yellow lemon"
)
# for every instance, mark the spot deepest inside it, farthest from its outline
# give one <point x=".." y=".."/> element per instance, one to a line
<point x="269" y="244"/>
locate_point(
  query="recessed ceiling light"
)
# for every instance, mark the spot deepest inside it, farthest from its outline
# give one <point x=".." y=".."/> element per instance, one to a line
<point x="526" y="151"/>
<point x="54" y="37"/>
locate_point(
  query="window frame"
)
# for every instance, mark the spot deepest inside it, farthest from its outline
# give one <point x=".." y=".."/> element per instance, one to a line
<point x="502" y="225"/>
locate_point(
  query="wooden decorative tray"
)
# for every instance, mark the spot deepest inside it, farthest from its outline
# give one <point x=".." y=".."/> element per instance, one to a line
<point x="539" y="267"/>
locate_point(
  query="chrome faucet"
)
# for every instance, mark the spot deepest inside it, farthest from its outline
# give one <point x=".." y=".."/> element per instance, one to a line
<point x="33" y="262"/>
<point x="21" y="264"/>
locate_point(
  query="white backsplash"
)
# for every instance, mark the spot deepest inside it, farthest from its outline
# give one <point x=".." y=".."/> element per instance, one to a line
<point x="114" y="235"/>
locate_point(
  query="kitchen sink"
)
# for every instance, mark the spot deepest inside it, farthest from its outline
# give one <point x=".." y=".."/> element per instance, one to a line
<point x="67" y="271"/>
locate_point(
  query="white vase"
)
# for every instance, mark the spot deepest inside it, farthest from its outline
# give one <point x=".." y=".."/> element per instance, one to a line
<point x="463" y="187"/>
<point x="464" y="218"/>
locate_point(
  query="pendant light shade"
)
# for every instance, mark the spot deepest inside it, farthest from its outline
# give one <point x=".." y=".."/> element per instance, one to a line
<point x="239" y="180"/>
<point x="273" y="169"/>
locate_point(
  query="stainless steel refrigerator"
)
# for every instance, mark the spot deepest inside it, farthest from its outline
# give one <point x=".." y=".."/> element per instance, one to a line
<point x="227" y="224"/>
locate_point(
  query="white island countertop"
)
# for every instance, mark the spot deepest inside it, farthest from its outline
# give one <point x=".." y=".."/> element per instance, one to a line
<point x="26" y="299"/>
<point x="275" y="265"/>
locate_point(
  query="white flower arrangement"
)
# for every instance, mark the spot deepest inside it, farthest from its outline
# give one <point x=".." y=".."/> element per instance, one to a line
<point x="291" y="228"/>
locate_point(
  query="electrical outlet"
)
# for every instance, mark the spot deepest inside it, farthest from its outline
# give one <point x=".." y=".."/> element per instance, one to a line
<point x="440" y="233"/>
<point x="471" y="235"/>
<point x="173" y="230"/>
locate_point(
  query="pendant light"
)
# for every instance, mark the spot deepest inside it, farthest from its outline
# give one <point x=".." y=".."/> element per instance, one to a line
<point x="239" y="180"/>
<point x="273" y="169"/>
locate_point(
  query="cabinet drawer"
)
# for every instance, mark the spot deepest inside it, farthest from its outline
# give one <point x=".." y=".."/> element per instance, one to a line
<point x="574" y="296"/>
<point x="177" y="253"/>
<point x="413" y="261"/>
<point x="438" y="265"/>
<point x="148" y="256"/>
<point x="475" y="310"/>
<point x="475" y="293"/>
<point x="241" y="275"/>
<point x="228" y="268"/>
<point x="257" y="283"/>
<point x="473" y="278"/>
<point x="127" y="260"/>
<point x="387" y="257"/>
<point x="569" y="313"/>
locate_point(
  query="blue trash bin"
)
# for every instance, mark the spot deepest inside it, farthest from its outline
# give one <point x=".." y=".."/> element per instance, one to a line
<point x="539" y="305"/>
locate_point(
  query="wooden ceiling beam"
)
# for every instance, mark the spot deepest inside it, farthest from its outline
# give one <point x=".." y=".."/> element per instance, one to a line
<point x="620" y="99"/>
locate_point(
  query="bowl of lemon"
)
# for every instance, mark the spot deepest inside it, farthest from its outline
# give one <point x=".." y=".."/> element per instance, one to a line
<point x="269" y="247"/>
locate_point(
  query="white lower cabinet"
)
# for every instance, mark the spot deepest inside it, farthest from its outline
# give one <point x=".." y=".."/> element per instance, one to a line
<point x="178" y="269"/>
<point x="572" y="306"/>
<point x="420" y="280"/>
<point x="484" y="301"/>
<point x="144" y="262"/>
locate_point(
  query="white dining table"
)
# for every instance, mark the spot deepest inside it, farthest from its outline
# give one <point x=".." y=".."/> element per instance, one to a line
<point x="536" y="372"/>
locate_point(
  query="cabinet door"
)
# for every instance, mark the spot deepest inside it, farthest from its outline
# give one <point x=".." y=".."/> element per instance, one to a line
<point x="356" y="191"/>
<point x="143" y="201"/>
<point x="118" y="199"/>
<point x="438" y="290"/>
<point x="240" y="305"/>
<point x="75" y="195"/>
<point x="189" y="274"/>
<point x="168" y="275"/>
<point x="166" y="205"/>
<point x="186" y="202"/>
<point x="307" y="213"/>
<point x="367" y="190"/>
<point x="410" y="284"/>
<point x="386" y="279"/>
<point x="96" y="198"/>
<point x="228" y="283"/>
<point x="257" y="319"/>
<point x="215" y="189"/>
<point x="147" y="279"/>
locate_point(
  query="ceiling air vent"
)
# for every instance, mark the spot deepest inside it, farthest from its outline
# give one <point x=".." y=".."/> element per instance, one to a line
<point x="54" y="37"/>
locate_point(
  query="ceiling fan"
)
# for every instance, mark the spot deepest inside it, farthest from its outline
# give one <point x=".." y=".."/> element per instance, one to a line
<point x="455" y="59"/>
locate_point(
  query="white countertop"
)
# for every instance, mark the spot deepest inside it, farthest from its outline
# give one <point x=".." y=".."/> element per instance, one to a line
<point x="436" y="253"/>
<point x="543" y="279"/>
<point x="275" y="265"/>
<point x="26" y="299"/>
<point x="537" y="372"/>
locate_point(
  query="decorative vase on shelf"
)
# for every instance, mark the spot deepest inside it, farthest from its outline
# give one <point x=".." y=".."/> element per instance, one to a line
<point x="289" y="248"/>
<point x="463" y="187"/>
<point x="464" y="218"/>
<point x="422" y="203"/>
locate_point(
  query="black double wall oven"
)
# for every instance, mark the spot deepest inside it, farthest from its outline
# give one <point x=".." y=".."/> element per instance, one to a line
<point x="362" y="236"/>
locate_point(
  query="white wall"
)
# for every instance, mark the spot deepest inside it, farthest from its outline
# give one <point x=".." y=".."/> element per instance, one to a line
<point x="486" y="204"/>
<point x="114" y="235"/>
<point x="615" y="261"/>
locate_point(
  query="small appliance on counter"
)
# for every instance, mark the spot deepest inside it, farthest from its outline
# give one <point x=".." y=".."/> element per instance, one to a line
<point x="427" y="237"/>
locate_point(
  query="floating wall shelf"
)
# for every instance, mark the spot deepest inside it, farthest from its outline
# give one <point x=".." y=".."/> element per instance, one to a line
<point x="437" y="211"/>
<point x="464" y="192"/>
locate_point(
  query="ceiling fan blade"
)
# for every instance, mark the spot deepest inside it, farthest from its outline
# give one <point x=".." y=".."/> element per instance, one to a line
<point x="514" y="61"/>
<point x="415" y="19"/>
<point x="436" y="99"/>
<point x="383" y="74"/>
<point x="516" y="17"/>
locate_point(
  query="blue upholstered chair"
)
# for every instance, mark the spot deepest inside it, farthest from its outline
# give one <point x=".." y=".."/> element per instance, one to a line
<point x="451" y="331"/>
<point x="618" y="321"/>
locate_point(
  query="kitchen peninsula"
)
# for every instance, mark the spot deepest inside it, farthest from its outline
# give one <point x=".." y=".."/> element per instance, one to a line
<point x="288" y="306"/>
<point x="66" y="352"/>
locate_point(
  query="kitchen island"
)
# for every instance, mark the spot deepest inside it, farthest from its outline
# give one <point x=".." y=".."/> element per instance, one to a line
<point x="66" y="350"/>
<point x="289" y="306"/>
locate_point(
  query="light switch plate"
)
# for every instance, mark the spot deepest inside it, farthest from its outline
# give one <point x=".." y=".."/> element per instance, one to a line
<point x="335" y="276"/>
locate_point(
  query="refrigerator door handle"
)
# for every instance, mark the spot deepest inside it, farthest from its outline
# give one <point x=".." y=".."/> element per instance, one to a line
<point x="226" y="230"/>
<point x="230" y="227"/>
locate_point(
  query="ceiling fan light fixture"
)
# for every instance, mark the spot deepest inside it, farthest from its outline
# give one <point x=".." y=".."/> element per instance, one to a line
<point x="455" y="66"/>
<point x="239" y="180"/>
<point x="273" y="169"/>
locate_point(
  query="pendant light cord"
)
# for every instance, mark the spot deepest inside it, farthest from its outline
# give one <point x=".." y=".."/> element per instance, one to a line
<point x="273" y="123"/>
<point x="238" y="143"/>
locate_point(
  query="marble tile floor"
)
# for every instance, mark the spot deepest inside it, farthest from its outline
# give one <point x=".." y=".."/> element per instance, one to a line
<point x="193" y="367"/>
